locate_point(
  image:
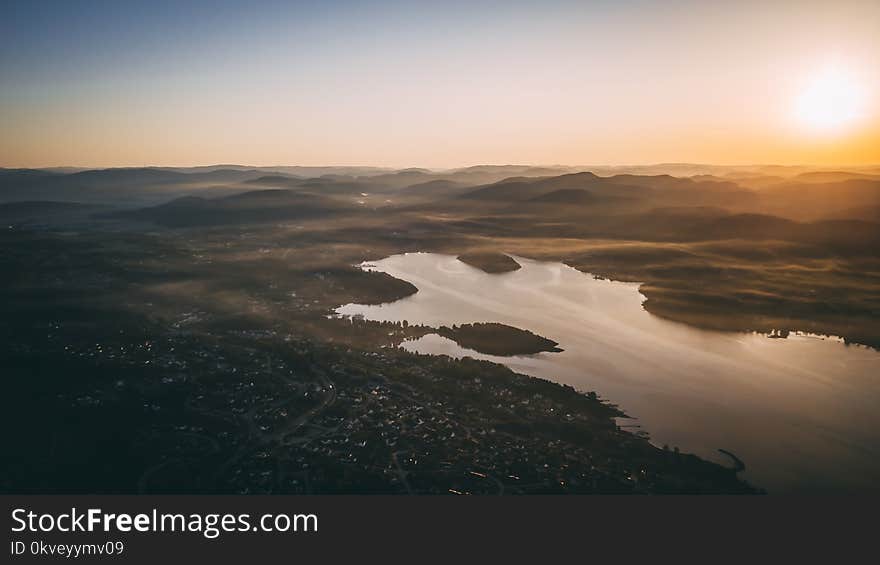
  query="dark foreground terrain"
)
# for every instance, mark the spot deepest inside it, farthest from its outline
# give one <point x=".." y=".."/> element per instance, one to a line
<point x="143" y="363"/>
<point x="172" y="331"/>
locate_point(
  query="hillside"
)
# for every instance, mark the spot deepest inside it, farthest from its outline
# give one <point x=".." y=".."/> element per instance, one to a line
<point x="250" y="207"/>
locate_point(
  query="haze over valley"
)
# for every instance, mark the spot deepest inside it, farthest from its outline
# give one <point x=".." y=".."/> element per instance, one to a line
<point x="440" y="247"/>
<point x="193" y="285"/>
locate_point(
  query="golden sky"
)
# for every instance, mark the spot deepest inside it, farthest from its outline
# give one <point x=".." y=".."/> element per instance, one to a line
<point x="442" y="85"/>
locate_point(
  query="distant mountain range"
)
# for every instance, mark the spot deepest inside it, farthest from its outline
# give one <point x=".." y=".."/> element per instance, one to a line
<point x="231" y="193"/>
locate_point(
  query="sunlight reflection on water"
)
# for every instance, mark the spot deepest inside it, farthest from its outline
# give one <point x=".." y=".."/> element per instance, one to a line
<point x="801" y="412"/>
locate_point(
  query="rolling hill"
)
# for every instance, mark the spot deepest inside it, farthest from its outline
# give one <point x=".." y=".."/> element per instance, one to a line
<point x="259" y="206"/>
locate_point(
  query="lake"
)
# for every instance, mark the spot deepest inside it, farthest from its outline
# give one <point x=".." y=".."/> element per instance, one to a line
<point x="801" y="412"/>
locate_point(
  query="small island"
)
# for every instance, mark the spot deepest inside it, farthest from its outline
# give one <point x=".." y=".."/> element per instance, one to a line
<point x="490" y="262"/>
<point x="498" y="339"/>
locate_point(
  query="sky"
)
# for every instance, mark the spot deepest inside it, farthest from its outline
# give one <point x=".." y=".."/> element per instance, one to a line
<point x="438" y="84"/>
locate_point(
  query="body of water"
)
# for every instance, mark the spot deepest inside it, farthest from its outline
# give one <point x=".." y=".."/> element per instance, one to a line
<point x="801" y="412"/>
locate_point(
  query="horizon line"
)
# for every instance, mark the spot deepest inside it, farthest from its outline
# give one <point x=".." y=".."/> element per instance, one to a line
<point x="449" y="168"/>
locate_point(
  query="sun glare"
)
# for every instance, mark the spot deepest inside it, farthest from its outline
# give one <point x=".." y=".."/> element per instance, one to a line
<point x="831" y="101"/>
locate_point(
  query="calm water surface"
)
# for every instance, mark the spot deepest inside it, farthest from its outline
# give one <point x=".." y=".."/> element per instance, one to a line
<point x="803" y="413"/>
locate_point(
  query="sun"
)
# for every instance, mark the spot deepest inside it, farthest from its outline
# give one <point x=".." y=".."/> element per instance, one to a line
<point x="831" y="101"/>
